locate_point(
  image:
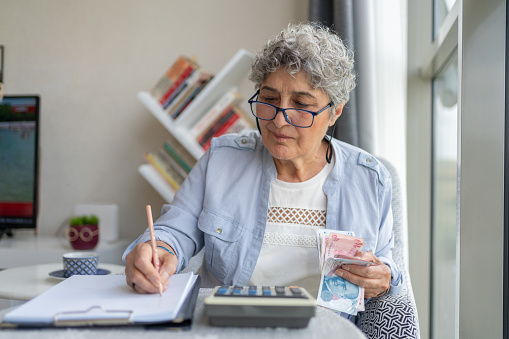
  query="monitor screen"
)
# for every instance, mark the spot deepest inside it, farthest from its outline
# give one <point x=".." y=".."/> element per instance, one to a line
<point x="19" y="143"/>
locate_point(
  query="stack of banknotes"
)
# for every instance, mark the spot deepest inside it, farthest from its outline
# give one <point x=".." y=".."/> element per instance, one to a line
<point x="337" y="248"/>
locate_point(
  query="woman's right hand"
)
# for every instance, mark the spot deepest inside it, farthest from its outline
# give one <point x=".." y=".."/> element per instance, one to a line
<point x="141" y="273"/>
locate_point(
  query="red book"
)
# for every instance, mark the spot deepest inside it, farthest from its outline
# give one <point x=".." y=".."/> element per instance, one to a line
<point x="222" y="129"/>
<point x="168" y="96"/>
<point x="214" y="126"/>
<point x="169" y="77"/>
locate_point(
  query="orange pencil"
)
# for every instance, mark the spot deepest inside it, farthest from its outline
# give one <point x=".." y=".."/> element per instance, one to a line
<point x="155" y="257"/>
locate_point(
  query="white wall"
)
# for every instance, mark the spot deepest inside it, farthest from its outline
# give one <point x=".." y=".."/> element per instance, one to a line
<point x="88" y="59"/>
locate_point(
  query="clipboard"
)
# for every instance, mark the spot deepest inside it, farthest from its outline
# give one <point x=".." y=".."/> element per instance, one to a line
<point x="107" y="301"/>
<point x="184" y="319"/>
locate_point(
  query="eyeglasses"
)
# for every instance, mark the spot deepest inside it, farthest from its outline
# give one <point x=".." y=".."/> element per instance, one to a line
<point x="295" y="117"/>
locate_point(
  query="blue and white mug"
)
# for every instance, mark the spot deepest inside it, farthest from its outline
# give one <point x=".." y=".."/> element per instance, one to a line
<point x="80" y="263"/>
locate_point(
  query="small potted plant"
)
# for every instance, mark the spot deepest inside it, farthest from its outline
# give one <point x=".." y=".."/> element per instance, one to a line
<point x="83" y="232"/>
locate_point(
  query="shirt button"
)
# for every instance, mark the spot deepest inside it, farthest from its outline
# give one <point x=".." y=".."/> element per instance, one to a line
<point x="244" y="141"/>
<point x="368" y="160"/>
<point x="219" y="230"/>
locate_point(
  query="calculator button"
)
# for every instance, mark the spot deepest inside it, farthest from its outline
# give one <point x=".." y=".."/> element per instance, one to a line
<point x="280" y="290"/>
<point x="296" y="290"/>
<point x="266" y="290"/>
<point x="253" y="290"/>
<point x="237" y="290"/>
<point x="223" y="290"/>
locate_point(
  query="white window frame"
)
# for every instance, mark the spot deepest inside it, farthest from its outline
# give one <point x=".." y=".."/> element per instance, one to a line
<point x="482" y="73"/>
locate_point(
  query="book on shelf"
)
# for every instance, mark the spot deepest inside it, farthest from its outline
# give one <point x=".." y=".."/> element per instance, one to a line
<point x="177" y="87"/>
<point x="167" y="82"/>
<point x="232" y="120"/>
<point x="242" y="124"/>
<point x="174" y="164"/>
<point x="229" y="99"/>
<point x="193" y="85"/>
<point x="224" y="119"/>
<point x="179" y="153"/>
<point x="166" y="171"/>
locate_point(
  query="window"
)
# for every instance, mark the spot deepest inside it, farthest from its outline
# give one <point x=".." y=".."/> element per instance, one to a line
<point x="441" y="9"/>
<point x="444" y="176"/>
<point x="444" y="203"/>
<point x="456" y="198"/>
<point x="432" y="144"/>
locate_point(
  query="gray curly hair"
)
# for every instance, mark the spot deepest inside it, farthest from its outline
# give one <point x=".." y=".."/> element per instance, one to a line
<point x="315" y="49"/>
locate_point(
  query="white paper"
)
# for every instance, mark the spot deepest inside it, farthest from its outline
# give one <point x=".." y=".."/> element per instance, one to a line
<point x="82" y="297"/>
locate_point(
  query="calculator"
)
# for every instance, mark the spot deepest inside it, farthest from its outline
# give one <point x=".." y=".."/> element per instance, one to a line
<point x="260" y="306"/>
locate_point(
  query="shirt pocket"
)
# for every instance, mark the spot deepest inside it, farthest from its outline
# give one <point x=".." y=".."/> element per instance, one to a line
<point x="221" y="237"/>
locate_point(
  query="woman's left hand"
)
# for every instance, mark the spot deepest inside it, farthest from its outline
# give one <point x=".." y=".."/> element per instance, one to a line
<point x="376" y="279"/>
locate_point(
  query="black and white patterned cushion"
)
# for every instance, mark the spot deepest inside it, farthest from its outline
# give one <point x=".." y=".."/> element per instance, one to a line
<point x="389" y="316"/>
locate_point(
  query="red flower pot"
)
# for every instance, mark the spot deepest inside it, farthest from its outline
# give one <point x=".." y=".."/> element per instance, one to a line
<point x="83" y="237"/>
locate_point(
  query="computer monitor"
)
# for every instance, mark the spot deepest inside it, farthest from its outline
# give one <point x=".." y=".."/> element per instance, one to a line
<point x="19" y="144"/>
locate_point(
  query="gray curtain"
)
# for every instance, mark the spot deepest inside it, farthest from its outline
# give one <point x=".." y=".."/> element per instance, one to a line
<point x="354" y="23"/>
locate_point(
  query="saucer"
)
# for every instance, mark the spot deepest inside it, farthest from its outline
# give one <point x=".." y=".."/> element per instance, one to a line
<point x="60" y="273"/>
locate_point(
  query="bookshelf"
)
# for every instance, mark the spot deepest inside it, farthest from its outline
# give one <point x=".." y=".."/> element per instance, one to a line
<point x="225" y="80"/>
<point x="156" y="181"/>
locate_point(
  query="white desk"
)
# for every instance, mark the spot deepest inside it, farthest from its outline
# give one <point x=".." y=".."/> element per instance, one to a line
<point x="25" y="248"/>
<point x="326" y="324"/>
<point x="27" y="282"/>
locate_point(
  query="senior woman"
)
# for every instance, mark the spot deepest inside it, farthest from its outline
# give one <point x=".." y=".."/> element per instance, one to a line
<point x="255" y="201"/>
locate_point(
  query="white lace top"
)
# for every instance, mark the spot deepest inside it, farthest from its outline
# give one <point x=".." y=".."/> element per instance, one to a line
<point x="289" y="254"/>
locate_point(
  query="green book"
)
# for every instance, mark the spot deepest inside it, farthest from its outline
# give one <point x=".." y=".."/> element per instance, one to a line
<point x="168" y="147"/>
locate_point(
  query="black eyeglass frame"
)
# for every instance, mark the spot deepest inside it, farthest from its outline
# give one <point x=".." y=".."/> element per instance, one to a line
<point x="278" y="109"/>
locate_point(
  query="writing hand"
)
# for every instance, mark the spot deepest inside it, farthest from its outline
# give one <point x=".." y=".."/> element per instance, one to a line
<point x="141" y="273"/>
<point x="376" y="279"/>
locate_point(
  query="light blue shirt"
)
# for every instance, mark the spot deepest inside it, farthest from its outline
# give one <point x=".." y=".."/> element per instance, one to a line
<point x="223" y="205"/>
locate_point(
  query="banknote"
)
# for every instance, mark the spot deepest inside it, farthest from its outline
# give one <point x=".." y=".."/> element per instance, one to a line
<point x="322" y="237"/>
<point x="333" y="243"/>
<point x="337" y="248"/>
<point x="340" y="244"/>
<point x="335" y="263"/>
<point x="348" y="260"/>
<point x="337" y="293"/>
